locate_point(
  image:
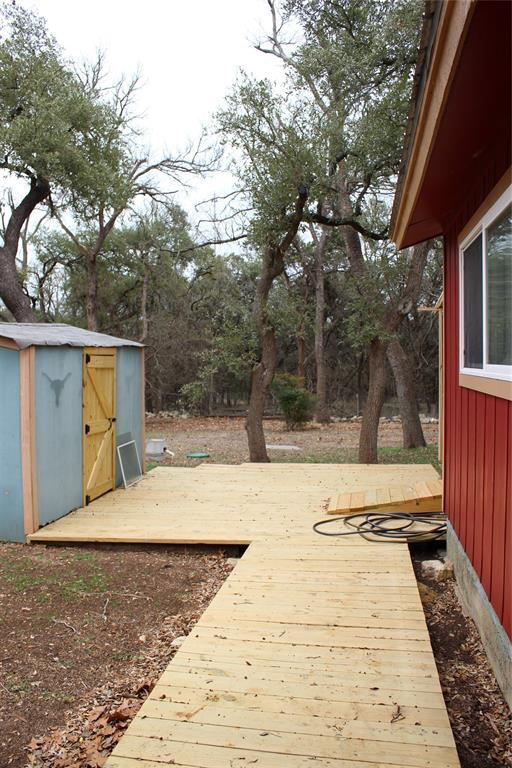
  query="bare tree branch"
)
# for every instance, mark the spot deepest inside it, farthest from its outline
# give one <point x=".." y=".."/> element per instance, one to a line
<point x="196" y="246"/>
<point x="336" y="221"/>
<point x="277" y="49"/>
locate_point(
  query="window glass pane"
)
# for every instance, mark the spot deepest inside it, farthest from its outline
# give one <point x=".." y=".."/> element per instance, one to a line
<point x="473" y="333"/>
<point x="499" y="290"/>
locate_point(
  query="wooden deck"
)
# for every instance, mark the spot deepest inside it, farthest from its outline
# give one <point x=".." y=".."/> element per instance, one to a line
<point x="223" y="504"/>
<point x="314" y="653"/>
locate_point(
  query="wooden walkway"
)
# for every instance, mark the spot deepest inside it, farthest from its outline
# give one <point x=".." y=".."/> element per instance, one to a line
<point x="314" y="653"/>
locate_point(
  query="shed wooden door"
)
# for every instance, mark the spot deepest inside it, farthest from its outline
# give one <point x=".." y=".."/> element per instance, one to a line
<point x="99" y="417"/>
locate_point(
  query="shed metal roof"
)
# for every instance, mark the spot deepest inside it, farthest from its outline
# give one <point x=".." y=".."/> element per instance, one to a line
<point x="59" y="334"/>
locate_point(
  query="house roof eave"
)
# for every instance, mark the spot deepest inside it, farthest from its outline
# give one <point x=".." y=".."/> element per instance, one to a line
<point x="444" y="31"/>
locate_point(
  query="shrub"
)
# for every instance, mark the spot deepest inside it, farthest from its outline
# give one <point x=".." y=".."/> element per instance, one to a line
<point x="296" y="402"/>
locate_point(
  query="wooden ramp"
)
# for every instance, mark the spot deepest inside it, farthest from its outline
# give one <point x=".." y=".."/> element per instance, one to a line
<point x="314" y="653"/>
<point x="424" y="496"/>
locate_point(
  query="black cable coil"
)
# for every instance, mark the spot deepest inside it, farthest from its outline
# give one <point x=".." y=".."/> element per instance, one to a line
<point x="376" y="524"/>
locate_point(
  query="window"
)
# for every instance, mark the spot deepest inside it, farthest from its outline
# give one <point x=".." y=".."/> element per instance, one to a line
<point x="486" y="294"/>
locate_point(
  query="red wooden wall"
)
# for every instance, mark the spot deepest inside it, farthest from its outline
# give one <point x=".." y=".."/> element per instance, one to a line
<point x="478" y="442"/>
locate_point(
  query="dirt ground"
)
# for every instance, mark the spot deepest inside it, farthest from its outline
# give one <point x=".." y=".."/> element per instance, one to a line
<point x="226" y="441"/>
<point x="84" y="634"/>
<point x="479" y="716"/>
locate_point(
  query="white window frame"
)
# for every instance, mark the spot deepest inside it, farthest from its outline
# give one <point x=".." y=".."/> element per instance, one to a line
<point x="488" y="371"/>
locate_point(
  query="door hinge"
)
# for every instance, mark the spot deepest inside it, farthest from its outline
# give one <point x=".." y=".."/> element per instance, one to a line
<point x="87" y="500"/>
<point x="87" y="358"/>
<point x="87" y="429"/>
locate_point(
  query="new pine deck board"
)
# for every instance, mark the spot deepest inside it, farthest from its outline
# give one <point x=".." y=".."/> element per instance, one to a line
<point x="424" y="495"/>
<point x="191" y="700"/>
<point x="201" y="756"/>
<point x="304" y="724"/>
<point x="311" y="665"/>
<point x="353" y="677"/>
<point x="272" y="740"/>
<point x="312" y="648"/>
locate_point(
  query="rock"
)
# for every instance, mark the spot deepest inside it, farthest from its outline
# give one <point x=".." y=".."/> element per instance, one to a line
<point x="428" y="596"/>
<point x="178" y="641"/>
<point x="447" y="574"/>
<point x="437" y="569"/>
<point x="284" y="447"/>
<point x="431" y="568"/>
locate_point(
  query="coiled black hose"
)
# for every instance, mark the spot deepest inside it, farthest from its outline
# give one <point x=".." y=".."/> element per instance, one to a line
<point x="376" y="525"/>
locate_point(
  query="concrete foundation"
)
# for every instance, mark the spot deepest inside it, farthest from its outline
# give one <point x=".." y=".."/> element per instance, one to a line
<point x="494" y="638"/>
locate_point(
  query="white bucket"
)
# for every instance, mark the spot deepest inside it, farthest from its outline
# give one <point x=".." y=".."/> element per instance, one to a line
<point x="155" y="446"/>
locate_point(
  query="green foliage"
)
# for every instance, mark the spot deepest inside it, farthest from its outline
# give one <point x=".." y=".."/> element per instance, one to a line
<point x="275" y="152"/>
<point x="53" y="127"/>
<point x="344" y="98"/>
<point x="226" y="300"/>
<point x="194" y="393"/>
<point x="360" y="58"/>
<point x="367" y="297"/>
<point x="147" y="248"/>
<point x="296" y="402"/>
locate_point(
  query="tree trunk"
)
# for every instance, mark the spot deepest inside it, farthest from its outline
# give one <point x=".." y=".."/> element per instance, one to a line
<point x="301" y="331"/>
<point x="90" y="255"/>
<point x="144" y="307"/>
<point x="301" y="351"/>
<point x="255" y="413"/>
<point x="321" y="410"/>
<point x="407" y="399"/>
<point x="263" y="372"/>
<point x="91" y="297"/>
<point x="377" y="374"/>
<point x="158" y="402"/>
<point x="11" y="288"/>
<point x="13" y="296"/>
<point x="368" y="438"/>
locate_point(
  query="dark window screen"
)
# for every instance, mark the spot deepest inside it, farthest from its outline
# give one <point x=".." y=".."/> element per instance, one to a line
<point x="473" y="334"/>
<point x="130" y="465"/>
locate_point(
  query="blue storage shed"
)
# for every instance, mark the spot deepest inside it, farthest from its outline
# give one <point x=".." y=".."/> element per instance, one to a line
<point x="68" y="398"/>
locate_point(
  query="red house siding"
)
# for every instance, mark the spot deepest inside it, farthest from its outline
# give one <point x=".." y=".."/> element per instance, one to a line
<point x="478" y="443"/>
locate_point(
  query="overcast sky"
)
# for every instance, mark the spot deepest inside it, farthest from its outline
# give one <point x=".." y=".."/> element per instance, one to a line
<point x="188" y="53"/>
